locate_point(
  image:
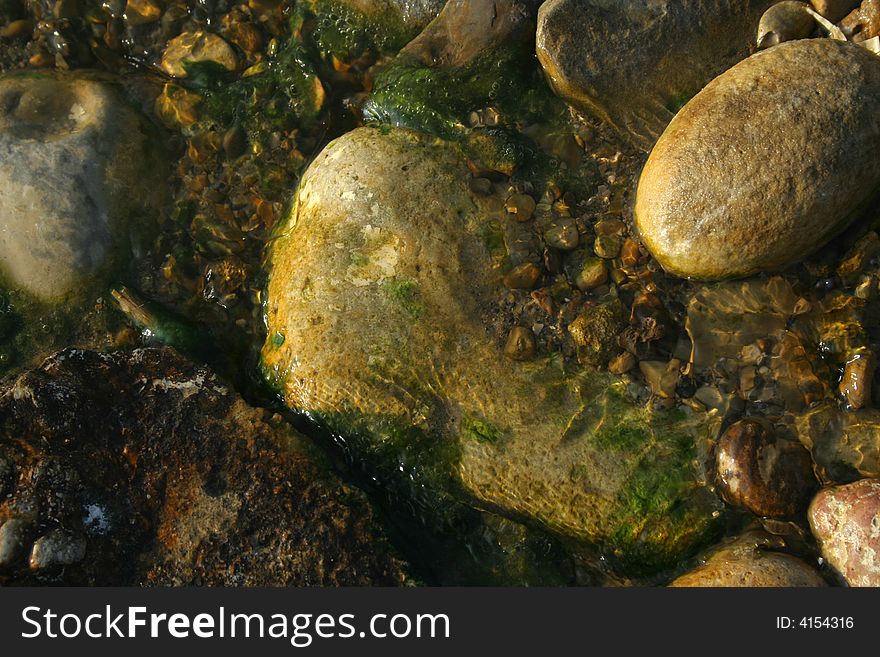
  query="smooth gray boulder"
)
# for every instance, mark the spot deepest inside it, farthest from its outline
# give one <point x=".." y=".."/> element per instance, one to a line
<point x="766" y="164"/>
<point x="79" y="169"/>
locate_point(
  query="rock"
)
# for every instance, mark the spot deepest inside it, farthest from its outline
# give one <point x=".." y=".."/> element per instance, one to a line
<point x="747" y="564"/>
<point x="82" y="176"/>
<point x="855" y="384"/>
<point x="466" y="29"/>
<point x="523" y="277"/>
<point x="142" y="468"/>
<point x="57" y="548"/>
<point x="520" y="344"/>
<point x="785" y="21"/>
<point x="521" y="207"/>
<point x="197" y="48"/>
<point x="845" y="445"/>
<point x="562" y="234"/>
<point x="589" y="273"/>
<point x="759" y="471"/>
<point x="595" y="333"/>
<point x="846" y="522"/>
<point x="863" y="23"/>
<point x="381" y="330"/>
<point x="634" y="64"/>
<point x="834" y="10"/>
<point x="721" y="197"/>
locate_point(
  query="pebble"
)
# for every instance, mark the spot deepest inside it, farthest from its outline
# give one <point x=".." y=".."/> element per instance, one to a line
<point x="855" y="385"/>
<point x="481" y="186"/>
<point x="521" y="207"/>
<point x="591" y="274"/>
<point x="661" y="377"/>
<point x="235" y="142"/>
<point x="758" y="471"/>
<point x="716" y="198"/>
<point x="522" y="277"/>
<point x="607" y="246"/>
<point x="13" y="540"/>
<point x="195" y="47"/>
<point x="562" y="234"/>
<point x="785" y="21"/>
<point x="520" y="344"/>
<point x="846" y="522"/>
<point x="622" y="364"/>
<point x="59" y="547"/>
<point x="142" y="12"/>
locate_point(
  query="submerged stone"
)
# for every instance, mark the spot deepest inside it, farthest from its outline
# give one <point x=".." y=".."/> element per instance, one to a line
<point x="380" y="291"/>
<point x="766" y="164"/>
<point x="81" y="177"/>
<point x="634" y="63"/>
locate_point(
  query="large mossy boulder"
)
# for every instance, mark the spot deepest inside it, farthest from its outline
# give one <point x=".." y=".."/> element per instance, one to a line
<point x="82" y="177"/>
<point x="384" y="323"/>
<point x="766" y="164"/>
<point x="634" y="63"/>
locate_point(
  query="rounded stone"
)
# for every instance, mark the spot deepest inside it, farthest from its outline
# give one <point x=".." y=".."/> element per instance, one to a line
<point x="59" y="547"/>
<point x="760" y="472"/>
<point x="766" y="164"/>
<point x="846" y="522"/>
<point x="81" y="174"/>
<point x="751" y="567"/>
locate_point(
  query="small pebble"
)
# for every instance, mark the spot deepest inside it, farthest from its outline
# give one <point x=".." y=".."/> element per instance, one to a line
<point x="629" y="253"/>
<point x="57" y="548"/>
<point x="13" y="538"/>
<point x="855" y="385"/>
<point x="592" y="274"/>
<point x="622" y="364"/>
<point x="481" y="186"/>
<point x="520" y="344"/>
<point x="607" y="246"/>
<point x="235" y="142"/>
<point x="521" y="207"/>
<point x="562" y="234"/>
<point x="522" y="277"/>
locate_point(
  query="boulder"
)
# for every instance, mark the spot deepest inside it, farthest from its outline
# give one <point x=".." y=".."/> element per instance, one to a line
<point x="846" y="522"/>
<point x="81" y="178"/>
<point x="633" y="63"/>
<point x="766" y="164"/>
<point x="143" y="468"/>
<point x="382" y="313"/>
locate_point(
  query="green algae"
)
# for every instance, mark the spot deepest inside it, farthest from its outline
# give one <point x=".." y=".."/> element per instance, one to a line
<point x="473" y="428"/>
<point x="405" y="293"/>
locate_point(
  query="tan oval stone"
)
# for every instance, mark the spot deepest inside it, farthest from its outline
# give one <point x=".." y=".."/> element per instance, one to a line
<point x="193" y="47"/>
<point x="766" y="164"/>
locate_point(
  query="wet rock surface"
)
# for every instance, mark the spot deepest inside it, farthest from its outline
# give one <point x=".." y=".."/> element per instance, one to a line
<point x="763" y="473"/>
<point x="81" y="175"/>
<point x="142" y="468"/>
<point x="751" y="563"/>
<point x="717" y="200"/>
<point x="634" y="64"/>
<point x="430" y="381"/>
<point x="846" y="522"/>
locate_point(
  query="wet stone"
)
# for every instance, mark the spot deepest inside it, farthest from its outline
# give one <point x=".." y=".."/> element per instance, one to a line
<point x="57" y="548"/>
<point x="715" y="199"/>
<point x="766" y="474"/>
<point x="520" y="206"/>
<point x="562" y="234"/>
<point x="834" y="10"/>
<point x="523" y="277"/>
<point x="143" y="468"/>
<point x="846" y="522"/>
<point x="520" y="344"/>
<point x="197" y="47"/>
<point x="785" y="21"/>
<point x="622" y="364"/>
<point x="590" y="274"/>
<point x="855" y="385"/>
<point x="595" y="333"/>
<point x="607" y="246"/>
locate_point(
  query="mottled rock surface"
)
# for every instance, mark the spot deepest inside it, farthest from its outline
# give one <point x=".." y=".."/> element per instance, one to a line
<point x="634" y="63"/>
<point x="762" y="472"/>
<point x="746" y="563"/>
<point x="141" y="468"/>
<point x="380" y="308"/>
<point x="81" y="173"/>
<point x="846" y="522"/>
<point x="766" y="164"/>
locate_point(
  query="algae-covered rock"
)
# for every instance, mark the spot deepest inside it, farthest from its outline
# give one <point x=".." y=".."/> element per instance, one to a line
<point x="380" y="290"/>
<point x="143" y="468"/>
<point x="766" y="164"/>
<point x="634" y="63"/>
<point x="81" y="178"/>
<point x="845" y="444"/>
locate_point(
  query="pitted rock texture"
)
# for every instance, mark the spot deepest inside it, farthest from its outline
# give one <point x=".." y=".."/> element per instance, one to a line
<point x="142" y="468"/>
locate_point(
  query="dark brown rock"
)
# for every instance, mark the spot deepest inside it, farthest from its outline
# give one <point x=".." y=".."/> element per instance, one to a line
<point x="142" y="468"/>
<point x="766" y="164"/>
<point x="834" y="10"/>
<point x="846" y="522"/>
<point x="759" y="471"/>
<point x="634" y="63"/>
